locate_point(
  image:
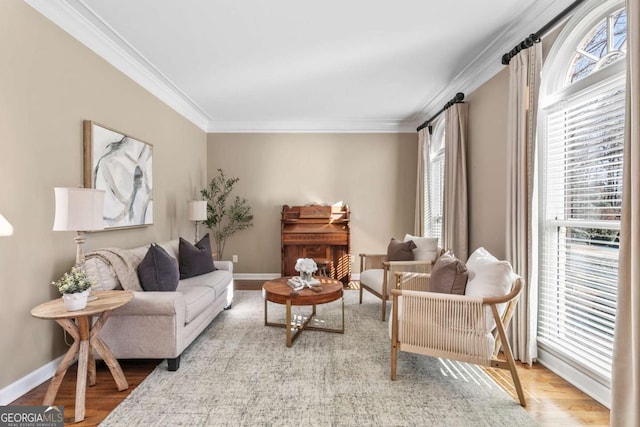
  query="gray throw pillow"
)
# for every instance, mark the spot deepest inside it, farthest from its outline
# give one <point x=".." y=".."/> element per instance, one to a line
<point x="400" y="251"/>
<point x="449" y="275"/>
<point x="195" y="260"/>
<point x="158" y="271"/>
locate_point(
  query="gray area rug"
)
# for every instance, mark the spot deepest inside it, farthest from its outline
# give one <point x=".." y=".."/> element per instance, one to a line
<point x="240" y="373"/>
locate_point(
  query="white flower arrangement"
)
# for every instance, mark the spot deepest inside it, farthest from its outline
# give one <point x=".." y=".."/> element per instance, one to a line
<point x="306" y="265"/>
<point x="74" y="282"/>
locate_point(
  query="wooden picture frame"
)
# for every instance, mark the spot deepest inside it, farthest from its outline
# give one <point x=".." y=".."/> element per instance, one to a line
<point x="122" y="166"/>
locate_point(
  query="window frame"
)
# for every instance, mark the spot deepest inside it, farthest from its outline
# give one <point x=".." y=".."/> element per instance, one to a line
<point x="555" y="89"/>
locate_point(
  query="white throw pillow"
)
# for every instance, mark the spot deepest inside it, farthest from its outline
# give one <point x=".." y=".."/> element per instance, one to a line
<point x="488" y="277"/>
<point x="426" y="247"/>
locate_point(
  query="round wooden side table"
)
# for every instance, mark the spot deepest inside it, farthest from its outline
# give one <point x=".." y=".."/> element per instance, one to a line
<point x="86" y="339"/>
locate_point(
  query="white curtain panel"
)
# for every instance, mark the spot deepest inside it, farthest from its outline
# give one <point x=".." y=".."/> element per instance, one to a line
<point x="423" y="224"/>
<point x="524" y="84"/>
<point x="455" y="210"/>
<point x="625" y="386"/>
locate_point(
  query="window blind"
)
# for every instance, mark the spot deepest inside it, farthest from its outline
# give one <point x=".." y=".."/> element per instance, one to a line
<point x="437" y="185"/>
<point x="582" y="192"/>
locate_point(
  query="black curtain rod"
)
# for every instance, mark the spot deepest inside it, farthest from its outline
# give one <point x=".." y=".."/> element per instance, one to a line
<point x="535" y="37"/>
<point x="455" y="100"/>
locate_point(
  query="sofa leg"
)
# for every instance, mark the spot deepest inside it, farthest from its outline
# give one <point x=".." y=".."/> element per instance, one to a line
<point x="228" y="307"/>
<point x="174" y="363"/>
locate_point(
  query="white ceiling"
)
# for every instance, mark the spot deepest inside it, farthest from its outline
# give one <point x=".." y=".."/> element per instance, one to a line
<point x="291" y="65"/>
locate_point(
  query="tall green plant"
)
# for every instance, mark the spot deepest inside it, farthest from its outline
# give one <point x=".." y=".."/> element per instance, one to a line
<point x="223" y="220"/>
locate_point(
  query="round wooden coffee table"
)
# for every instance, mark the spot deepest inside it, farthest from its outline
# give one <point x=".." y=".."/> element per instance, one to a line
<point x="277" y="291"/>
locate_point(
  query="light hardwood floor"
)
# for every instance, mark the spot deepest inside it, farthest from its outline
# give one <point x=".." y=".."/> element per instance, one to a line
<point x="551" y="401"/>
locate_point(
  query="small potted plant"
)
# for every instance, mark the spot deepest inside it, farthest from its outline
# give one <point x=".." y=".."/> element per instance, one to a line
<point x="74" y="287"/>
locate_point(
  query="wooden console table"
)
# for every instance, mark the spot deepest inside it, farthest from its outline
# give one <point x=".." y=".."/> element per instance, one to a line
<point x="86" y="339"/>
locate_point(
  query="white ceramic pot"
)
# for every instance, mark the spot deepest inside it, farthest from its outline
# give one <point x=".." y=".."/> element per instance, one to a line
<point x="77" y="301"/>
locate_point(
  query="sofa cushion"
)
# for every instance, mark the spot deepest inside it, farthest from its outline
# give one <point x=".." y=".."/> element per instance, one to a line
<point x="195" y="260"/>
<point x="171" y="246"/>
<point x="197" y="299"/>
<point x="400" y="251"/>
<point x="373" y="279"/>
<point x="158" y="271"/>
<point x="217" y="280"/>
<point x="449" y="275"/>
<point x="426" y="247"/>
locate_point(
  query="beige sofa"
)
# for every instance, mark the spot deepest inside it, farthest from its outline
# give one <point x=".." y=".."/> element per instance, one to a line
<point x="158" y="325"/>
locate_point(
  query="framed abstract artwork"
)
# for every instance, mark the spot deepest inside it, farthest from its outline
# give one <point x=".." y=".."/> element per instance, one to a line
<point x="122" y="166"/>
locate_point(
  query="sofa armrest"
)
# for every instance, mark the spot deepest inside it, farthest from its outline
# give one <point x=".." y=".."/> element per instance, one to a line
<point x="371" y="261"/>
<point x="408" y="266"/>
<point x="223" y="265"/>
<point x="154" y="303"/>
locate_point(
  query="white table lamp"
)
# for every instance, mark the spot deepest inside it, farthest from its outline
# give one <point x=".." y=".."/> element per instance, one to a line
<point x="197" y="211"/>
<point x="6" y="229"/>
<point x="79" y="210"/>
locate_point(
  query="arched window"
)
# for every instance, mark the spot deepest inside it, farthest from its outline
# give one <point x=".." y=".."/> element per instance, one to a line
<point x="580" y="170"/>
<point x="605" y="44"/>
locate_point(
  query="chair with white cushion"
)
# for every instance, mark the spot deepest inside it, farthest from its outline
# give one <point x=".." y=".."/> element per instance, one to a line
<point x="377" y="270"/>
<point x="468" y="328"/>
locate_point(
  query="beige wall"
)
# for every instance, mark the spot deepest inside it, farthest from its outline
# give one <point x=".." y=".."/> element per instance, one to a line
<point x="374" y="173"/>
<point x="487" y="165"/>
<point x="49" y="83"/>
<point x="487" y="160"/>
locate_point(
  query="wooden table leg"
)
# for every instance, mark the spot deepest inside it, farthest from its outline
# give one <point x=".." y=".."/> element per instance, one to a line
<point x="61" y="370"/>
<point x="83" y="364"/>
<point x="108" y="357"/>
<point x="342" y="328"/>
<point x="69" y="326"/>
<point x="111" y="362"/>
<point x="288" y="323"/>
<point x="91" y="372"/>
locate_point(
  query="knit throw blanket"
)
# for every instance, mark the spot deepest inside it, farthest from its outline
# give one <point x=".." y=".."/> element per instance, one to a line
<point x="124" y="263"/>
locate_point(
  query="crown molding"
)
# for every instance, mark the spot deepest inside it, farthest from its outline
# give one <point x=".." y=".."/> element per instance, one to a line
<point x="487" y="63"/>
<point x="313" y="126"/>
<point x="82" y="24"/>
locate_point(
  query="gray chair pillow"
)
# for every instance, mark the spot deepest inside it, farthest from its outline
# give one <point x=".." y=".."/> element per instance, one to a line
<point x="449" y="275"/>
<point x="158" y="271"/>
<point x="400" y="251"/>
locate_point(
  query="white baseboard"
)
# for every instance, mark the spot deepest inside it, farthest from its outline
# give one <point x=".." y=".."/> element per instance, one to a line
<point x="28" y="382"/>
<point x="270" y="276"/>
<point x="579" y="379"/>
<point x="255" y="276"/>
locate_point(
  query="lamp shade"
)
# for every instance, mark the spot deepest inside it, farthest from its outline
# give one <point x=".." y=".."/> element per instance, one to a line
<point x="6" y="229"/>
<point x="197" y="210"/>
<point x="78" y="209"/>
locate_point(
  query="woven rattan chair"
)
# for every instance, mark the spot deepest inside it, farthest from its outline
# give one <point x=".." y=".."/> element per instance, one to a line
<point x="376" y="275"/>
<point x="455" y="327"/>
